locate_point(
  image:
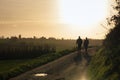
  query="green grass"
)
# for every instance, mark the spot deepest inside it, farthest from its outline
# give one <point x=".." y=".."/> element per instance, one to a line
<point x="105" y="65"/>
<point x="6" y="65"/>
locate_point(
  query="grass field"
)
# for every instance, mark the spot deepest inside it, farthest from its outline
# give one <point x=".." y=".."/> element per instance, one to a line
<point x="59" y="44"/>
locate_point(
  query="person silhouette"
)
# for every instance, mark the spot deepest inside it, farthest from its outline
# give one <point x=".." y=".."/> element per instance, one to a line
<point x="86" y="55"/>
<point x="78" y="57"/>
<point x="79" y="43"/>
<point x="85" y="44"/>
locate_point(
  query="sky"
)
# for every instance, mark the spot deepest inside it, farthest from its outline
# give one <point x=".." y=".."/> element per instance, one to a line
<point x="54" y="18"/>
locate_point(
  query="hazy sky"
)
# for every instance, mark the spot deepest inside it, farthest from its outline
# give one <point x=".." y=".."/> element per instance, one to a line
<point x="53" y="18"/>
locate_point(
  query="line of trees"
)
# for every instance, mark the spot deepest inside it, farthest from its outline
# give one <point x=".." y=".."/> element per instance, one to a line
<point x="34" y="37"/>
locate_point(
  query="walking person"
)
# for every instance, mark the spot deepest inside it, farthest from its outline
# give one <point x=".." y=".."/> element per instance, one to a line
<point x="78" y="57"/>
<point x="85" y="44"/>
<point x="79" y="43"/>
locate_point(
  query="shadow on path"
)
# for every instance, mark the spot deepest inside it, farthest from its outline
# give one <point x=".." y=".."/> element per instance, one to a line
<point x="81" y="55"/>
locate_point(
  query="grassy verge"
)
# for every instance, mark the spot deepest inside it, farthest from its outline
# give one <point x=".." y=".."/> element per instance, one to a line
<point x="105" y="65"/>
<point x="12" y="68"/>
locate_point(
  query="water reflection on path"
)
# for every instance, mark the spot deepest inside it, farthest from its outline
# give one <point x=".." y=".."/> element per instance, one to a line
<point x="40" y="75"/>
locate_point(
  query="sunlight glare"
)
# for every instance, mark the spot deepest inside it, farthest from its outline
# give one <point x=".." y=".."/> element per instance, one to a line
<point x="83" y="78"/>
<point x="82" y="12"/>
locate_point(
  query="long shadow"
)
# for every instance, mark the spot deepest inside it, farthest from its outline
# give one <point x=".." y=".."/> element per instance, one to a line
<point x="87" y="57"/>
<point x="61" y="79"/>
<point x="80" y="55"/>
<point x="78" y="58"/>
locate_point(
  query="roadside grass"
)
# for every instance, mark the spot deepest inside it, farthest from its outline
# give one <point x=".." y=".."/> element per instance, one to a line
<point x="12" y="68"/>
<point x="105" y="65"/>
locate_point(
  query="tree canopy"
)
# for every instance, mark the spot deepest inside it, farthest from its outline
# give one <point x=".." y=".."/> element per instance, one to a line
<point x="113" y="38"/>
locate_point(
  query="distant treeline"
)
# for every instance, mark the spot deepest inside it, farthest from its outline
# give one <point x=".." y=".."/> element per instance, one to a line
<point x="21" y="50"/>
<point x="34" y="37"/>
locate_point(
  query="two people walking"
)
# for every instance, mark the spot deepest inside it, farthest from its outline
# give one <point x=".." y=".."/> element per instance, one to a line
<point x="85" y="44"/>
<point x="80" y="54"/>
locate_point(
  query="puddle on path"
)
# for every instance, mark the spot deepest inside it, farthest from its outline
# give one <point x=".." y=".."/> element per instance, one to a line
<point x="40" y="75"/>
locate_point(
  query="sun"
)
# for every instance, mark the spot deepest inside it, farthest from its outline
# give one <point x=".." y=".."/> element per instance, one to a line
<point x="82" y="12"/>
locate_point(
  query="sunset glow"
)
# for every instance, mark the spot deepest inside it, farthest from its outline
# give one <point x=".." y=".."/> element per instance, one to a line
<point x="83" y="12"/>
<point x="56" y="18"/>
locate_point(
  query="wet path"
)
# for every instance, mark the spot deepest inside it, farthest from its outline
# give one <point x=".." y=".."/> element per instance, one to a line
<point x="69" y="67"/>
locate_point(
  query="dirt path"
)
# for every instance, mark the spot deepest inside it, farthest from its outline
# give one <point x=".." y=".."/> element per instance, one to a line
<point x="69" y="67"/>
